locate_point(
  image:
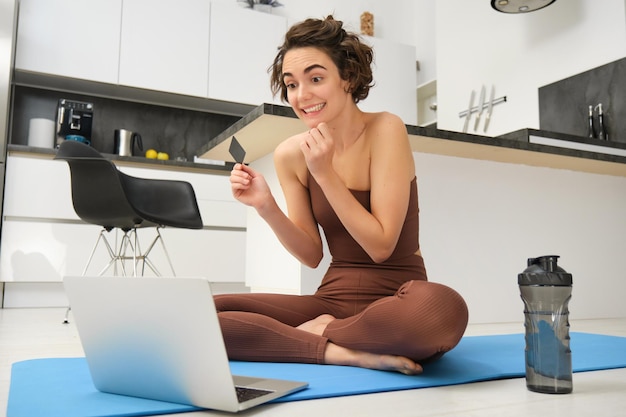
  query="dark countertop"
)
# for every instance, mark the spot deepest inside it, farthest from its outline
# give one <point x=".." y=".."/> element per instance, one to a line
<point x="261" y="130"/>
<point x="134" y="161"/>
<point x="572" y="145"/>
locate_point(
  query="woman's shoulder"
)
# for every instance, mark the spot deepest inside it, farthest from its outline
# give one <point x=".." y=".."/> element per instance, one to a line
<point x="388" y="140"/>
<point x="385" y="128"/>
<point x="384" y="119"/>
<point x="289" y="148"/>
<point x="289" y="160"/>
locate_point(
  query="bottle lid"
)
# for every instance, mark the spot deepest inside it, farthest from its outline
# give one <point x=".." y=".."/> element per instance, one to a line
<point x="544" y="270"/>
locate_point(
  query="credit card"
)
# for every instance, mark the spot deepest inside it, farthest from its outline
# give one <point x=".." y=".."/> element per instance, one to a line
<point x="237" y="151"/>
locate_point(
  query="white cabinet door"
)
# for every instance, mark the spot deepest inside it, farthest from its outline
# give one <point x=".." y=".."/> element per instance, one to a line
<point x="40" y="251"/>
<point x="71" y="38"/>
<point x="38" y="188"/>
<point x="395" y="80"/>
<point x="243" y="45"/>
<point x="218" y="255"/>
<point x="43" y="239"/>
<point x="165" y="45"/>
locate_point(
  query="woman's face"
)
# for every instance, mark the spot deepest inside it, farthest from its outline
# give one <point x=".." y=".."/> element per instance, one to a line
<point x="315" y="90"/>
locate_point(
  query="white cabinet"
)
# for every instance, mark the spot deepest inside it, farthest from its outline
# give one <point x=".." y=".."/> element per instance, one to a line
<point x="243" y="46"/>
<point x="37" y="188"/>
<point x="427" y="104"/>
<point x="43" y="239"/>
<point x="165" y="45"/>
<point x="199" y="48"/>
<point x="395" y="77"/>
<point x="70" y="38"/>
<point x="189" y="47"/>
<point x="34" y="250"/>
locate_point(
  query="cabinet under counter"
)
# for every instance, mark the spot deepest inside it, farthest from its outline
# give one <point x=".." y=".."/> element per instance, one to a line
<point x="43" y="239"/>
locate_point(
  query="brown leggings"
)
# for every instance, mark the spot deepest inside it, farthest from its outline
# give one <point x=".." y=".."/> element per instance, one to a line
<point x="421" y="321"/>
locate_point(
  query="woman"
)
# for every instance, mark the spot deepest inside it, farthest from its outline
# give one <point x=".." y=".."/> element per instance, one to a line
<point x="353" y="174"/>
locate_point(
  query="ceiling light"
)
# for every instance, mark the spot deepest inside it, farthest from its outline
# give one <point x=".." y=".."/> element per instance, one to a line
<point x="519" y="6"/>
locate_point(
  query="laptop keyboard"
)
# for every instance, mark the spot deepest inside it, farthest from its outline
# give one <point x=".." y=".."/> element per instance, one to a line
<point x="245" y="394"/>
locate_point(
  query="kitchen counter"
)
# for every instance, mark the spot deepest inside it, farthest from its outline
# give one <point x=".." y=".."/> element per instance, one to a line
<point x="210" y="167"/>
<point x="261" y="130"/>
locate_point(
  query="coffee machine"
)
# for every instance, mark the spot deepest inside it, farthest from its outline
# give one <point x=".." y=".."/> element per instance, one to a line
<point x="74" y="119"/>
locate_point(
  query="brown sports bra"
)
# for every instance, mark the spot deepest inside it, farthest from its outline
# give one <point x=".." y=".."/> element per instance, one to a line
<point x="346" y="251"/>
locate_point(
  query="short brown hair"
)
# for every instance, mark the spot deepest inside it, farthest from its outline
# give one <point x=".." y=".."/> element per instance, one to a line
<point x="352" y="57"/>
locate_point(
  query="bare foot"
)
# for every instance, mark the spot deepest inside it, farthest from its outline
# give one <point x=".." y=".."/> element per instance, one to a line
<point x="337" y="355"/>
<point x="317" y="325"/>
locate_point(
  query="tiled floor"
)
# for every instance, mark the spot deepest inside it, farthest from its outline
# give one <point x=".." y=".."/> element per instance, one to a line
<point x="35" y="333"/>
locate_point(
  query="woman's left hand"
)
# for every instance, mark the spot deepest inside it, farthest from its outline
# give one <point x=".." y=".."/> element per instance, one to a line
<point x="318" y="148"/>
<point x="249" y="187"/>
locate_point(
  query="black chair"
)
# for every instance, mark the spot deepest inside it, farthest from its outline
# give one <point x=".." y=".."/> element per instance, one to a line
<point x="105" y="196"/>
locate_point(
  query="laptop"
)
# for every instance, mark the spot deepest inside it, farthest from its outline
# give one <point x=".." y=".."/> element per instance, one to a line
<point x="160" y="338"/>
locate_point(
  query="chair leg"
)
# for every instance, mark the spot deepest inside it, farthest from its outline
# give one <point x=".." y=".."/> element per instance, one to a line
<point x="123" y="250"/>
<point x="66" y="320"/>
<point x="167" y="255"/>
<point x="112" y="262"/>
<point x="101" y="237"/>
<point x="137" y="255"/>
<point x="112" y="256"/>
<point x="159" y="238"/>
<point x="129" y="242"/>
<point x="130" y="250"/>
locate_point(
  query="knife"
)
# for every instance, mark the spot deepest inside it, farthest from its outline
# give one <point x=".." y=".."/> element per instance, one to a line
<point x="489" y="108"/>
<point x="468" y="116"/>
<point x="481" y="103"/>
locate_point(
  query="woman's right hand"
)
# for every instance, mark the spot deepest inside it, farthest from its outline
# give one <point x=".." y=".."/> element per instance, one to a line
<point x="249" y="187"/>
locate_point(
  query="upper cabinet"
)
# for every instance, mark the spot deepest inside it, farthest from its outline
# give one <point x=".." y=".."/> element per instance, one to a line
<point x="394" y="74"/>
<point x="165" y="45"/>
<point x="427" y="104"/>
<point x="71" y="38"/>
<point x="192" y="48"/>
<point x="195" y="48"/>
<point x="243" y="44"/>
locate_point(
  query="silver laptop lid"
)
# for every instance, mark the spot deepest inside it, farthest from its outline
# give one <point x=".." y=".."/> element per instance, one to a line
<point x="156" y="338"/>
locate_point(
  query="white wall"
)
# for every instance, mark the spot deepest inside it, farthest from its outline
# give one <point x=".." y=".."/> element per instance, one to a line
<point x="481" y="220"/>
<point x="519" y="53"/>
<point x="393" y="23"/>
<point x="387" y="15"/>
<point x="269" y="266"/>
<point x="425" y="24"/>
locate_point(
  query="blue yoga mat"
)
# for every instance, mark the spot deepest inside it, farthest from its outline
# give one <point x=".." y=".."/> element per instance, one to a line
<point x="62" y="387"/>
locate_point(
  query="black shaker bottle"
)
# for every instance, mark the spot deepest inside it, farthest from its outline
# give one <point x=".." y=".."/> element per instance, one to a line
<point x="546" y="290"/>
